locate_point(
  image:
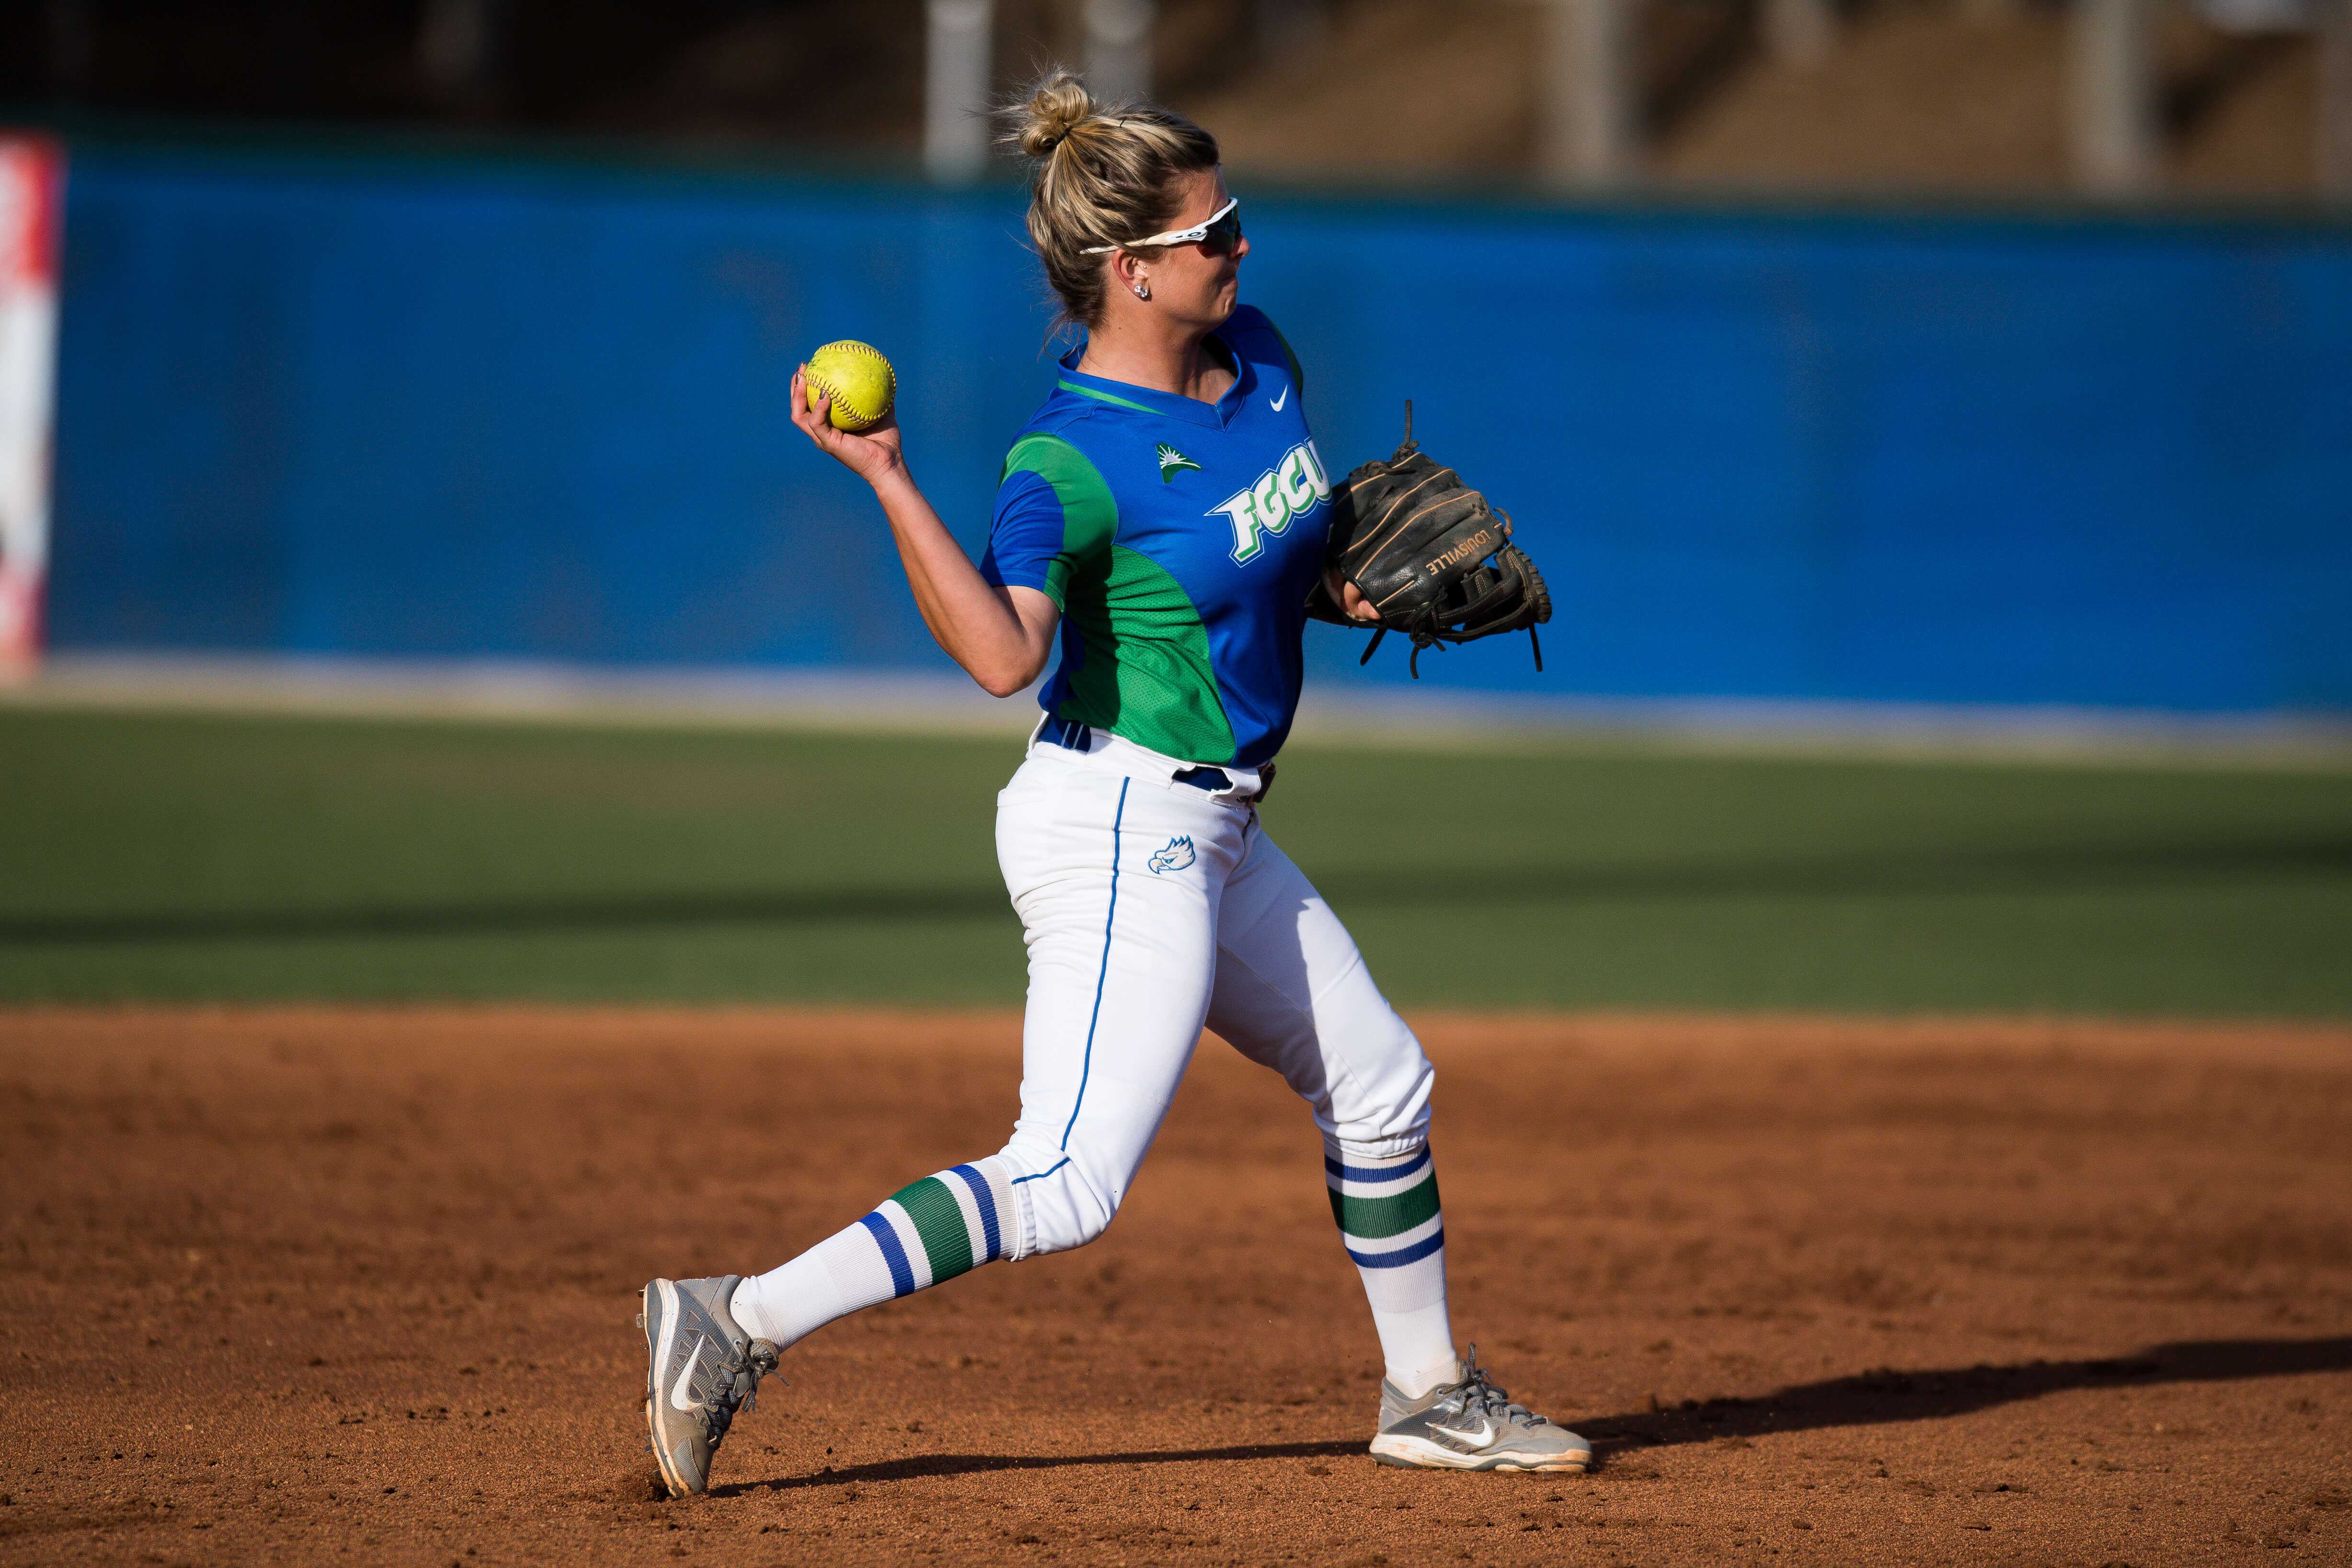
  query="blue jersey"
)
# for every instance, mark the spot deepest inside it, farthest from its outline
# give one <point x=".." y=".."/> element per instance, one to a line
<point x="1179" y="540"/>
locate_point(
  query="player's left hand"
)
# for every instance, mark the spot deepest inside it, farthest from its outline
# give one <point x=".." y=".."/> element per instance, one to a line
<point x="1347" y="596"/>
<point x="871" y="454"/>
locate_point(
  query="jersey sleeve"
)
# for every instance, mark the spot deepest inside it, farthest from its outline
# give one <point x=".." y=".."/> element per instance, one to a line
<point x="1054" y="517"/>
<point x="1026" y="535"/>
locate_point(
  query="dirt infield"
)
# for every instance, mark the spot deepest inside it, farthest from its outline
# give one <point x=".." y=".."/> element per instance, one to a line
<point x="300" y="1285"/>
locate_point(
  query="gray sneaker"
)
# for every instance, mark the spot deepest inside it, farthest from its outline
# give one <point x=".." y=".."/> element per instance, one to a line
<point x="1471" y="1426"/>
<point x="701" y="1370"/>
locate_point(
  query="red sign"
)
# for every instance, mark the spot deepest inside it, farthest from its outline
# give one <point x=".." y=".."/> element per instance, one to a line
<point x="32" y="179"/>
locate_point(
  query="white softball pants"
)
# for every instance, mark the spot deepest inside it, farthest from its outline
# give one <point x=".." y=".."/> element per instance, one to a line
<point x="1152" y="908"/>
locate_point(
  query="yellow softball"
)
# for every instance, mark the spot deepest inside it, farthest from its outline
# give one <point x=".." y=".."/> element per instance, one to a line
<point x="859" y="380"/>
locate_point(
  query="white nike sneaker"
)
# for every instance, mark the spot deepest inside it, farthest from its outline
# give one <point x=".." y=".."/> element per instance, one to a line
<point x="702" y="1368"/>
<point x="1471" y="1426"/>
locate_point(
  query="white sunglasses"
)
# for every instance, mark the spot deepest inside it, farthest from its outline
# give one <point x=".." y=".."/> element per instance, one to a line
<point x="1225" y="226"/>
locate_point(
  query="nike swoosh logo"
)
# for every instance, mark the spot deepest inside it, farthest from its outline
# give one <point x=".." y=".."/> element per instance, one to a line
<point x="1485" y="1435"/>
<point x="678" y="1396"/>
<point x="1278" y="402"/>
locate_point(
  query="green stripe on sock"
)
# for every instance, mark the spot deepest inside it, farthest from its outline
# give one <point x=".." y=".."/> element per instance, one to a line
<point x="938" y="1220"/>
<point x="1369" y="1219"/>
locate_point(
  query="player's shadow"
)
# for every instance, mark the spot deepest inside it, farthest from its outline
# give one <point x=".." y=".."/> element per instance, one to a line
<point x="1864" y="1399"/>
<point x="982" y="1464"/>
<point x="1883" y="1394"/>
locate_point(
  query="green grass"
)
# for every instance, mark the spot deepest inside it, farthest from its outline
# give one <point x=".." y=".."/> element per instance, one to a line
<point x="178" y="856"/>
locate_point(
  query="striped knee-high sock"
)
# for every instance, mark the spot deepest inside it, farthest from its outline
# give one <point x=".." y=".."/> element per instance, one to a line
<point x="931" y="1230"/>
<point x="1389" y="1217"/>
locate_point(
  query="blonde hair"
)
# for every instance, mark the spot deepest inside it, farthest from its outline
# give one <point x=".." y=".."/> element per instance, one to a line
<point x="1105" y="174"/>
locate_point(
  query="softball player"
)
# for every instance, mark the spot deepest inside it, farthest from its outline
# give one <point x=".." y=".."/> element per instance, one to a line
<point x="1165" y="512"/>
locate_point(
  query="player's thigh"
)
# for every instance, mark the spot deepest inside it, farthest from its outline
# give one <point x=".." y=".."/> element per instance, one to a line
<point x="1293" y="992"/>
<point x="1121" y="957"/>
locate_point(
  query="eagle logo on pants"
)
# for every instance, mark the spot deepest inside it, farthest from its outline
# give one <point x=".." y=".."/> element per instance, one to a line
<point x="1174" y="858"/>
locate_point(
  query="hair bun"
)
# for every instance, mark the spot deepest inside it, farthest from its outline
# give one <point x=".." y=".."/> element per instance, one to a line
<point x="1055" y="109"/>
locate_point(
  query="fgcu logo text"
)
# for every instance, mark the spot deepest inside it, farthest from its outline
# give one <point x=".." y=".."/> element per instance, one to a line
<point x="1291" y="488"/>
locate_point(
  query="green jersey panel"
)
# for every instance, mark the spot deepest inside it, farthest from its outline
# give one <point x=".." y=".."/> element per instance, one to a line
<point x="1141" y="668"/>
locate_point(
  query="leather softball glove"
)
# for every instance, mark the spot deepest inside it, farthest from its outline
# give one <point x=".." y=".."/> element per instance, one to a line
<point x="1431" y="557"/>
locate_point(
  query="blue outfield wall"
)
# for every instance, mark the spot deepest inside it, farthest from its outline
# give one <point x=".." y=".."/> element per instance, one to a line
<point x="417" y="408"/>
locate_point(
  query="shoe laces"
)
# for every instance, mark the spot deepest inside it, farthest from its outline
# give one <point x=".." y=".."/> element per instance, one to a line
<point x="1480" y="1395"/>
<point x="740" y="1392"/>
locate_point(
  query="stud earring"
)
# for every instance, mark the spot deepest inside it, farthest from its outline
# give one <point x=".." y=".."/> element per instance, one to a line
<point x="1144" y="290"/>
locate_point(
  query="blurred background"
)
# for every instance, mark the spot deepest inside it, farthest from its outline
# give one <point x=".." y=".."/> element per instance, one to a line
<point x="2218" y="97"/>
<point x="1931" y="416"/>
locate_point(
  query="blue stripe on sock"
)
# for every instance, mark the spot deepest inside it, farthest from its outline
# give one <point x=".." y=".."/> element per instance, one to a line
<point x="902" y="1276"/>
<point x="1376" y="1173"/>
<point x="985" y="1196"/>
<point x="1413" y="1254"/>
<point x="1043" y="1175"/>
<point x="1092" y="1018"/>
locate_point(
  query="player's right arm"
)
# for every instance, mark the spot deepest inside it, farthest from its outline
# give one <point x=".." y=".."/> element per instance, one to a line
<point x="1002" y="634"/>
